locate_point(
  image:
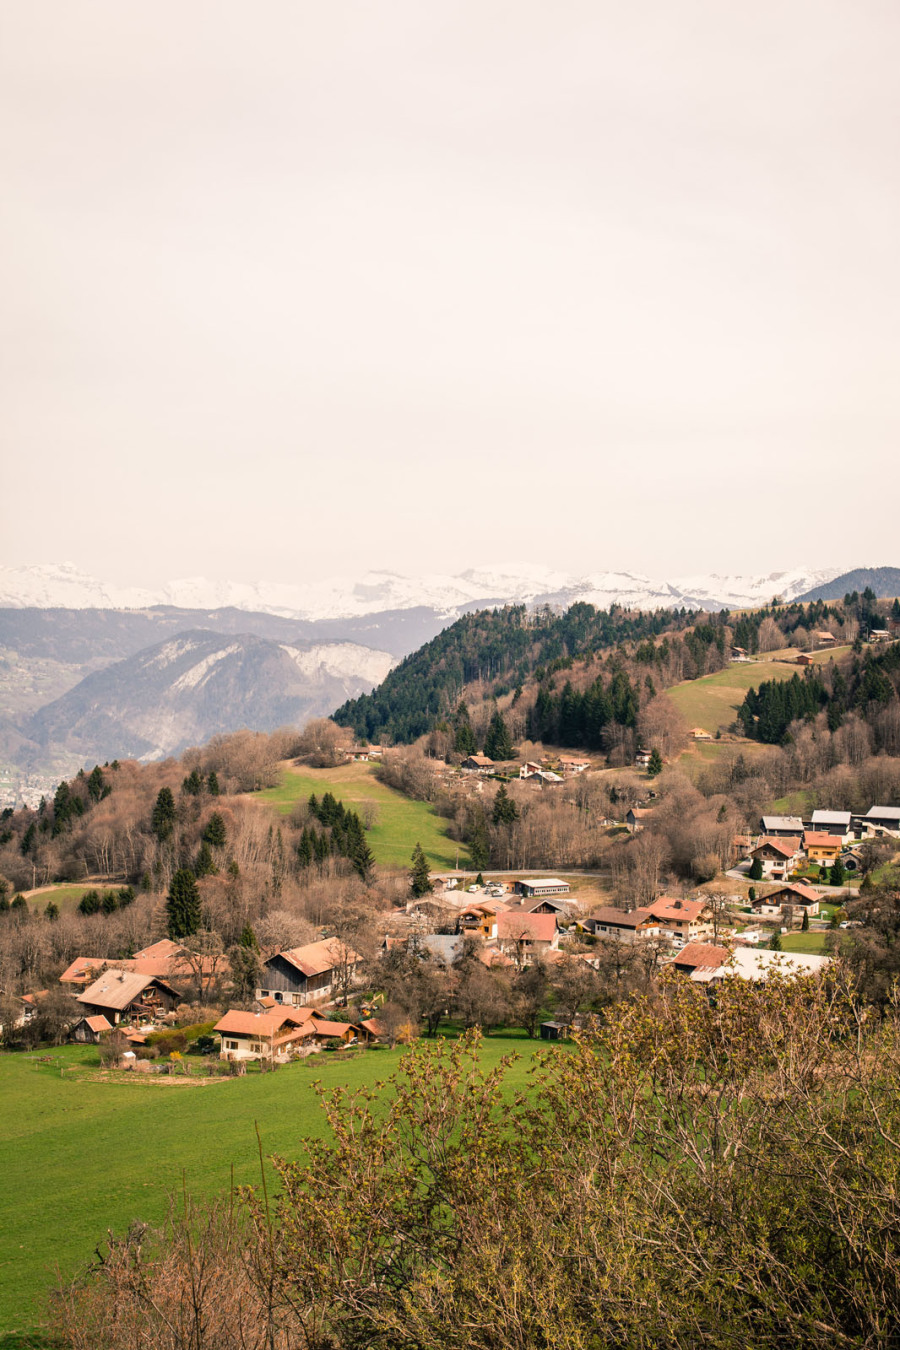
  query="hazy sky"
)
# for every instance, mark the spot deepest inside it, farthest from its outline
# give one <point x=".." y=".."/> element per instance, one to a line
<point x="297" y="288"/>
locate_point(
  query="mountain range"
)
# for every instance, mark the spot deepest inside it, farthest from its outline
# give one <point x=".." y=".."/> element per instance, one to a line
<point x="65" y="586"/>
<point x="90" y="671"/>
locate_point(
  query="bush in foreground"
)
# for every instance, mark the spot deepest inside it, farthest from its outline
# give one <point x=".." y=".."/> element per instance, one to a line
<point x="687" y="1175"/>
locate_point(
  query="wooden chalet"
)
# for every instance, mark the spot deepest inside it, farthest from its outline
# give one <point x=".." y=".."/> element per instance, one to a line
<point x="127" y="996"/>
<point x="305" y="973"/>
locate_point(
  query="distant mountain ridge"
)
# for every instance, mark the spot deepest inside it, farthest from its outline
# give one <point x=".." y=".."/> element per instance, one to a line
<point x="378" y="592"/>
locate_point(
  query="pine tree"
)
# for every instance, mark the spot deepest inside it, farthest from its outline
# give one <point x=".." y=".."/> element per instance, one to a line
<point x="419" y="881"/>
<point x="215" y="832"/>
<point x="655" y="766"/>
<point x="183" y="905"/>
<point x="497" y="743"/>
<point x="804" y="927"/>
<point x="96" y="784"/>
<point x="756" y="870"/>
<point x="775" y="942"/>
<point x="505" y="809"/>
<point x="212" y="784"/>
<point x="162" y="821"/>
<point x="52" y="911"/>
<point x="838" y="874"/>
<point x="192" y="786"/>
<point x="248" y="938"/>
<point x="205" y="865"/>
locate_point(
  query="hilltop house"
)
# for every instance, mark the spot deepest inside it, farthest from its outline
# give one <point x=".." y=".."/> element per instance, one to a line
<point x="480" y="918"/>
<point x="126" y="995"/>
<point x="304" y="973"/>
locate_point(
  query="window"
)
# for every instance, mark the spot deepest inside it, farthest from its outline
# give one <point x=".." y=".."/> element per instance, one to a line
<point x="256" y="1048"/>
<point x="231" y="1045"/>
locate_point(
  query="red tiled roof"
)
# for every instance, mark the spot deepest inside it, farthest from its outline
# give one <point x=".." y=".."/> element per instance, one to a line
<point x="667" y="908"/>
<point x="620" y="918"/>
<point x="787" y="847"/>
<point x="98" y="1023"/>
<point x="696" y="954"/>
<point x="250" y="1024"/>
<point x="528" y="927"/>
<point x="813" y="839"/>
<point x="797" y="889"/>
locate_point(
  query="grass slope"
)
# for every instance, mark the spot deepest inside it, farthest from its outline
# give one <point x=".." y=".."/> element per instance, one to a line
<point x="804" y="942"/>
<point x="79" y="1155"/>
<point x="712" y="701"/>
<point x="401" y="821"/>
<point x="66" y="897"/>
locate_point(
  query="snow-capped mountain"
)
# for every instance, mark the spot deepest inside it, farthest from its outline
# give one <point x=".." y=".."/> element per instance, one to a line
<point x="65" y="586"/>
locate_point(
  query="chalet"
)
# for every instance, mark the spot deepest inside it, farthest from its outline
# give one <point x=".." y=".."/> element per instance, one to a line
<point x="699" y="956"/>
<point x="297" y="976"/>
<point x="879" y="635"/>
<point x="796" y="896"/>
<point x="478" y="763"/>
<point x="882" y="820"/>
<point x="699" y="734"/>
<point x="681" y="919"/>
<point x="642" y="759"/>
<point x="637" y="817"/>
<point x="626" y="926"/>
<point x="777" y="856"/>
<point x="562" y="905"/>
<point x="821" y="847"/>
<point x="782" y="827"/>
<point x="88" y="1030"/>
<point x="823" y="639"/>
<point x="833" y="822"/>
<point x="480" y="919"/>
<point x="546" y="778"/>
<point x="272" y="1035"/>
<point x="126" y="995"/>
<point x="539" y="887"/>
<point x="803" y="660"/>
<point x="525" y="936"/>
<point x="529" y="769"/>
<point x="739" y="654"/>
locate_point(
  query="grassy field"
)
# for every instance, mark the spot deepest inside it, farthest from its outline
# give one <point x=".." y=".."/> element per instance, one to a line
<point x="401" y="822"/>
<point x="66" y="897"/>
<point x="804" y="942"/>
<point x="713" y="701"/>
<point x="79" y="1155"/>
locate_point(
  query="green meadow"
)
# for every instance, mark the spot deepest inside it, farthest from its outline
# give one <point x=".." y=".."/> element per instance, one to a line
<point x="712" y="701"/>
<point x="82" y="1151"/>
<point x="66" y="897"/>
<point x="400" y="822"/>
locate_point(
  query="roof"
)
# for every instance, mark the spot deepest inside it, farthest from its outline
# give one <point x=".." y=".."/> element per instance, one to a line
<point x="882" y="813"/>
<point x="797" y="889"/>
<point x="639" y="811"/>
<point x="98" y="1023"/>
<point x="445" y="946"/>
<point x="323" y="1027"/>
<point x="751" y="964"/>
<point x="621" y="918"/>
<point x="792" y="823"/>
<point x="832" y="818"/>
<point x="700" y="954"/>
<point x="786" y="847"/>
<point x="116" y="989"/>
<point x="526" y="927"/>
<point x="544" y="881"/>
<point x="373" y="1026"/>
<point x="83" y="969"/>
<point x="482" y="760"/>
<point x="816" y="839"/>
<point x="665" y="907"/>
<point x="165" y="948"/>
<point x="251" y="1024"/>
<point x="318" y="957"/>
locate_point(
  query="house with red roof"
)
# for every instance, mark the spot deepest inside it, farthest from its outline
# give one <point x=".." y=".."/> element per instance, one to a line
<point x="681" y="919"/>
<point x="777" y="855"/>
<point x="795" y="896"/>
<point x="524" y="936"/>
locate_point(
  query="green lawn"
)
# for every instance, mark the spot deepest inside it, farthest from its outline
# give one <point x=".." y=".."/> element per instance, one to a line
<point x="78" y="1156"/>
<point x="803" y="942"/>
<point x="66" y="897"/>
<point x="401" y="822"/>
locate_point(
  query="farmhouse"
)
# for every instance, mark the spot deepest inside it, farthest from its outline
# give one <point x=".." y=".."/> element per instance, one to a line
<point x="699" y="734"/>
<point x="573" y="766"/>
<point x="541" y="886"/>
<point x="306" y="973"/>
<point x="477" y="763"/>
<point x="636" y="817"/>
<point x="249" y="1035"/>
<point x="796" y="895"/>
<point x="125" y="995"/>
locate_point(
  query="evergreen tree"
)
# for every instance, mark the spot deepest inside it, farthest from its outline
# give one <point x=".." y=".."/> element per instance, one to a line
<point x="28" y="838"/>
<point x="420" y="882"/>
<point x="205" y="865"/>
<point x="505" y="809"/>
<point x="248" y="938"/>
<point x="162" y="821"/>
<point x="305" y="849"/>
<point x="52" y="911"/>
<point x="497" y="742"/>
<point x="212" y="784"/>
<point x="96" y="784"/>
<point x="838" y="874"/>
<point x="479" y="847"/>
<point x="655" y="767"/>
<point x="192" y="786"/>
<point x="215" y="833"/>
<point x="183" y="905"/>
<point x="464" y="742"/>
<point x="756" y="870"/>
<point x="110" y="902"/>
<point x="804" y="926"/>
<point x="125" y="896"/>
<point x="89" y="903"/>
<point x="775" y="942"/>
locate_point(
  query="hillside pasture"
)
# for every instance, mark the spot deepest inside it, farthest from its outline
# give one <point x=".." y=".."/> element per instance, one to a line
<point x="67" y="897"/>
<point x="713" y="700"/>
<point x="400" y="822"/>
<point x="82" y="1151"/>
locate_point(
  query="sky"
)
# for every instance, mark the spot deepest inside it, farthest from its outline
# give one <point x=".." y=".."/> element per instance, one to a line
<point x="302" y="289"/>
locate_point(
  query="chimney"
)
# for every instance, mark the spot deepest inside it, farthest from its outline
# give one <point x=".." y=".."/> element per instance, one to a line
<point x="677" y="904"/>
